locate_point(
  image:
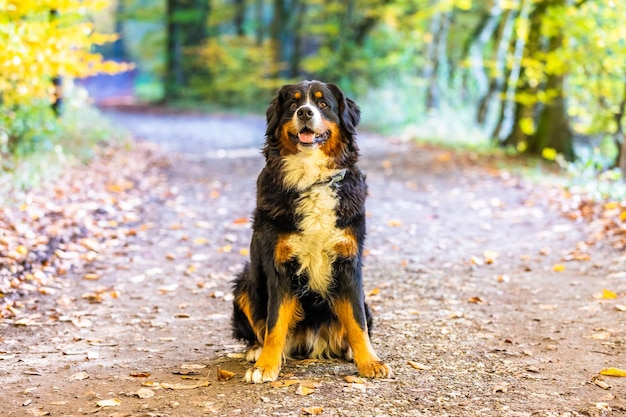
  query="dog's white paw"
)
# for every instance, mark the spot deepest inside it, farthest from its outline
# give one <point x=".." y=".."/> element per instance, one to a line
<point x="253" y="353"/>
<point x="258" y="375"/>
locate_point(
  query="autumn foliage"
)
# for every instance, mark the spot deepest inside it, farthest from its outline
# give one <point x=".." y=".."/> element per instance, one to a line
<point x="43" y="40"/>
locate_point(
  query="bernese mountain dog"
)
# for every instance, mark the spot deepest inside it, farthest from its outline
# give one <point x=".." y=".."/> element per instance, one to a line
<point x="301" y="293"/>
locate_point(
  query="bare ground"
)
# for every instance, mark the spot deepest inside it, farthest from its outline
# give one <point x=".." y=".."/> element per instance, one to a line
<point x="471" y="307"/>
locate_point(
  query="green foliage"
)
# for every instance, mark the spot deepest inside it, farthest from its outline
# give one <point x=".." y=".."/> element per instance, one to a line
<point x="232" y="72"/>
<point x="47" y="142"/>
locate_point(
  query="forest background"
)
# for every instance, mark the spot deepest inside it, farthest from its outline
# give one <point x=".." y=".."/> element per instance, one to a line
<point x="540" y="77"/>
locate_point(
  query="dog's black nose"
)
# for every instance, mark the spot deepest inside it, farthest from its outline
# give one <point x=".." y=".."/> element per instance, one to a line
<point x="305" y="113"/>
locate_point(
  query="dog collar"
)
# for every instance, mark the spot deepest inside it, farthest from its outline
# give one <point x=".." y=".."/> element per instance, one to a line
<point x="337" y="177"/>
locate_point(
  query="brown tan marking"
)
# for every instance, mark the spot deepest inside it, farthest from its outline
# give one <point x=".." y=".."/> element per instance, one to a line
<point x="347" y="248"/>
<point x="282" y="251"/>
<point x="366" y="360"/>
<point x="268" y="365"/>
<point x="288" y="147"/>
<point x="318" y="94"/>
<point x="333" y="147"/>
<point x="297" y="96"/>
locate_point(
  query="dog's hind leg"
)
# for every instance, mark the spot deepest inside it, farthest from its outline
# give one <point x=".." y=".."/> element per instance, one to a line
<point x="279" y="323"/>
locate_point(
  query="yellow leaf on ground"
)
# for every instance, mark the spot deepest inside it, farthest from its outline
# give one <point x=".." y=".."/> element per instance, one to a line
<point x="302" y="390"/>
<point x="558" y="268"/>
<point x="613" y="372"/>
<point x="224" y="375"/>
<point x="608" y="294"/>
<point x="312" y="411"/>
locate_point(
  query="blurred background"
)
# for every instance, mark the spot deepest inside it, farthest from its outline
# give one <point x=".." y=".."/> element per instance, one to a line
<point x="537" y="77"/>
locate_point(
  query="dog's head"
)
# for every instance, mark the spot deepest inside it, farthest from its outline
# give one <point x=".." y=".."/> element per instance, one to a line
<point x="312" y="114"/>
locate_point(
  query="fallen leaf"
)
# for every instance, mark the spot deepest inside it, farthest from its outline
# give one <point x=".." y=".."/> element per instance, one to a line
<point x="375" y="291"/>
<point x="192" y="366"/>
<point x="184" y="386"/>
<point x="312" y="411"/>
<point x="599" y="381"/>
<point x="500" y="388"/>
<point x="490" y="256"/>
<point x="354" y="380"/>
<point x="91" y="277"/>
<point x="613" y="372"/>
<point x="144" y="393"/>
<point x="475" y="300"/>
<point x="558" y="268"/>
<point x="112" y="402"/>
<point x="79" y="376"/>
<point x="607" y="294"/>
<point x="302" y="390"/>
<point x="620" y="307"/>
<point x="394" y="223"/>
<point x="503" y="278"/>
<point x="140" y="374"/>
<point x="419" y="366"/>
<point x="224" y="375"/>
<point x="284" y="383"/>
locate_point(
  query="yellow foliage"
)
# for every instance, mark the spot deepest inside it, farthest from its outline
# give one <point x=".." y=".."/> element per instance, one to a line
<point x="38" y="45"/>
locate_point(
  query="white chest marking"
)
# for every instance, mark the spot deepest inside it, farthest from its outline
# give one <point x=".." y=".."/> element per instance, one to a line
<point x="314" y="246"/>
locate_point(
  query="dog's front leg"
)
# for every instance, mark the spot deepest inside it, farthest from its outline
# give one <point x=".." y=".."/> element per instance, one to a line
<point x="280" y="319"/>
<point x="351" y="315"/>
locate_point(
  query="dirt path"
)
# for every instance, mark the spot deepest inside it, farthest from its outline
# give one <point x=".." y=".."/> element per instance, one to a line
<point x="460" y="272"/>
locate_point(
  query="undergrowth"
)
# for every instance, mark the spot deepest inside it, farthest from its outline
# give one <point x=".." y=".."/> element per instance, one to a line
<point x="35" y="145"/>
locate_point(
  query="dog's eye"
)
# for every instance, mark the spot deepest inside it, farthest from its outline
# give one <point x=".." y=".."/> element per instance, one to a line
<point x="293" y="106"/>
<point x="322" y="104"/>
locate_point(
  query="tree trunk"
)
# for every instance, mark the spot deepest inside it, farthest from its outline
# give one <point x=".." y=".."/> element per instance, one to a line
<point x="619" y="137"/>
<point x="496" y="84"/>
<point x="259" y="29"/>
<point x="478" y="46"/>
<point x="186" y="27"/>
<point x="239" y="19"/>
<point x="517" y="137"/>
<point x="279" y="36"/>
<point x="436" y="57"/>
<point x="553" y="130"/>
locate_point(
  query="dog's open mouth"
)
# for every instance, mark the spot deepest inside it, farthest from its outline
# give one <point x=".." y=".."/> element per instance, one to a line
<point x="308" y="137"/>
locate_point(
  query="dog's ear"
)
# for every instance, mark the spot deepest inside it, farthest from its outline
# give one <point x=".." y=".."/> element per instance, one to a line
<point x="273" y="116"/>
<point x="349" y="112"/>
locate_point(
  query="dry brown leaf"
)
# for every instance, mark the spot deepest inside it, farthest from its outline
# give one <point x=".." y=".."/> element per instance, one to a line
<point x="312" y="411"/>
<point x="111" y="402"/>
<point x="140" y="374"/>
<point x="91" y="277"/>
<point x="284" y="383"/>
<point x="599" y="381"/>
<point x="419" y="366"/>
<point x="354" y="380"/>
<point x="224" y="375"/>
<point x="79" y="376"/>
<point x="302" y="390"/>
<point x="184" y="386"/>
<point x="475" y="300"/>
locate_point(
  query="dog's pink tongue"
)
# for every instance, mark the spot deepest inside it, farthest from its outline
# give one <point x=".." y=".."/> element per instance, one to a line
<point x="307" y="137"/>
